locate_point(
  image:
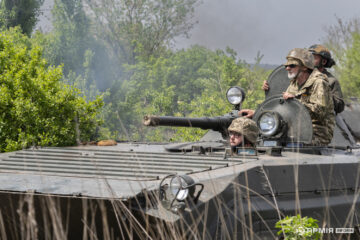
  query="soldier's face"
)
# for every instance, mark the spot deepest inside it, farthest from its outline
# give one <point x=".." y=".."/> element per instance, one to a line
<point x="317" y="60"/>
<point x="235" y="138"/>
<point x="293" y="71"/>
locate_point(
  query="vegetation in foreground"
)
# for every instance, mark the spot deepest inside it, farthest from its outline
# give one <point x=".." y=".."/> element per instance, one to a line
<point x="296" y="228"/>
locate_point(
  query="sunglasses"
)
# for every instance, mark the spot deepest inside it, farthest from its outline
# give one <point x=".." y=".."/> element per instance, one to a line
<point x="291" y="66"/>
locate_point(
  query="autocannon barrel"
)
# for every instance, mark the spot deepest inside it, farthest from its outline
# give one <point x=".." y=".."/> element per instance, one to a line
<point x="215" y="123"/>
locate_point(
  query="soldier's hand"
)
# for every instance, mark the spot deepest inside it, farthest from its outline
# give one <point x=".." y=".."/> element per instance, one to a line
<point x="265" y="86"/>
<point x="249" y="113"/>
<point x="287" y="95"/>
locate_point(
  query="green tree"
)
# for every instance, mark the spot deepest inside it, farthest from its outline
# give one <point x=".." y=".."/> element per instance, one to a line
<point x="20" y="12"/>
<point x="339" y="37"/>
<point x="133" y="28"/>
<point x="36" y="107"/>
<point x="343" y="41"/>
<point x="340" y="40"/>
<point x="350" y="71"/>
<point x="72" y="44"/>
<point x="70" y="38"/>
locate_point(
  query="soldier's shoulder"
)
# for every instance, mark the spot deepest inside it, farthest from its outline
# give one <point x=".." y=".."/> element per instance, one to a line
<point x="318" y="78"/>
<point x="316" y="74"/>
<point x="330" y="76"/>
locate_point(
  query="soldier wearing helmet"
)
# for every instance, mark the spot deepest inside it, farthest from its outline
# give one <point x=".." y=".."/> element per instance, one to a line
<point x="243" y="132"/>
<point x="323" y="60"/>
<point x="311" y="88"/>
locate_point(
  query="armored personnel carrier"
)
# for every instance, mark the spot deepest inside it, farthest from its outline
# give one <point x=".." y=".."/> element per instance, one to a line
<point x="193" y="190"/>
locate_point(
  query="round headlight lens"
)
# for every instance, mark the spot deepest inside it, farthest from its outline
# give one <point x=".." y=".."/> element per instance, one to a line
<point x="235" y="95"/>
<point x="178" y="186"/>
<point x="268" y="123"/>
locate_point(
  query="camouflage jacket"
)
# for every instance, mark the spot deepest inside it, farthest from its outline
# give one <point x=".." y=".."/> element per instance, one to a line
<point x="336" y="92"/>
<point x="316" y="96"/>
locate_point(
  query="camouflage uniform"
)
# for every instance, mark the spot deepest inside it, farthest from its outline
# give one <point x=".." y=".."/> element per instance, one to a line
<point x="337" y="95"/>
<point x="316" y="96"/>
<point x="246" y="127"/>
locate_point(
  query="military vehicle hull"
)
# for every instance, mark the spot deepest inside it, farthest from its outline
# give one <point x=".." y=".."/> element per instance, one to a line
<point x="97" y="193"/>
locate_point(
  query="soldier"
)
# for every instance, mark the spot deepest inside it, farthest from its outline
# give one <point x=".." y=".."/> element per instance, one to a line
<point x="243" y="132"/>
<point x="311" y="88"/>
<point x="322" y="61"/>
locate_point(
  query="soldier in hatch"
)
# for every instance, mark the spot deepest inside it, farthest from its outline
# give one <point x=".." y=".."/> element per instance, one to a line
<point x="322" y="61"/>
<point x="243" y="133"/>
<point x="311" y="88"/>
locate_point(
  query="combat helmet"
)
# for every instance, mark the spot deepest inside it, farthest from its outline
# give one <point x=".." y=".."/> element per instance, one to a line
<point x="302" y="55"/>
<point x="323" y="52"/>
<point x="246" y="127"/>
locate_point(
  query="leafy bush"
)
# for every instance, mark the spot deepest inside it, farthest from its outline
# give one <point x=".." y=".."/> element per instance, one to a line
<point x="295" y="227"/>
<point x="36" y="108"/>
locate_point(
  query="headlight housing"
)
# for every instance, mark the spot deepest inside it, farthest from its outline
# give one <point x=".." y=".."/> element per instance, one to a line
<point x="235" y="95"/>
<point x="176" y="190"/>
<point x="181" y="187"/>
<point x="269" y="123"/>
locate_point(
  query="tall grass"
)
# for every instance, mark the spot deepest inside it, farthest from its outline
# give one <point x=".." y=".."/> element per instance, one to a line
<point x="36" y="216"/>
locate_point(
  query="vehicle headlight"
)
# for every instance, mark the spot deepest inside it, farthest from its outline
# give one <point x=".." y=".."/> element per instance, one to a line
<point x="180" y="189"/>
<point x="235" y="95"/>
<point x="268" y="123"/>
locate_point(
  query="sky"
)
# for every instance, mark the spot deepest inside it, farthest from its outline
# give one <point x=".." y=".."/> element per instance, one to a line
<point x="272" y="27"/>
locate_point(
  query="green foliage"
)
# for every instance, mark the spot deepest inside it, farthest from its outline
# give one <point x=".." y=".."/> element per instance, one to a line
<point x="350" y="72"/>
<point x="36" y="107"/>
<point x="21" y="12"/>
<point x="343" y="41"/>
<point x="295" y="228"/>
<point x="72" y="44"/>
<point x="70" y="38"/>
<point x="339" y="37"/>
<point x="140" y="28"/>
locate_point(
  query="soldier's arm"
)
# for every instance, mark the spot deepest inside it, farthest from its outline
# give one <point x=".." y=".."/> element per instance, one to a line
<point x="337" y="96"/>
<point x="290" y="92"/>
<point x="249" y="113"/>
<point x="320" y="100"/>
